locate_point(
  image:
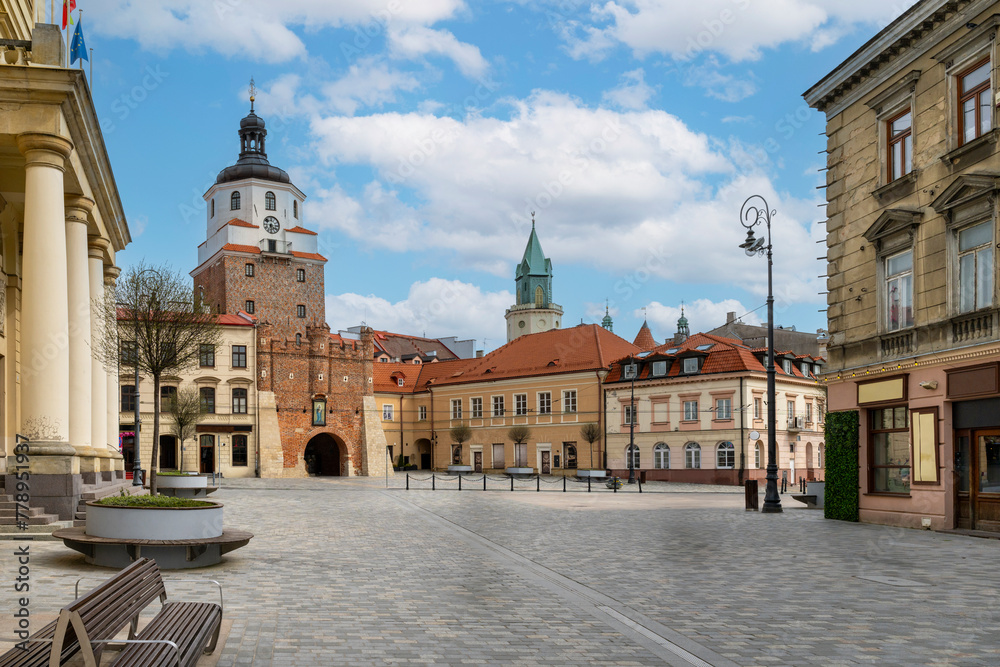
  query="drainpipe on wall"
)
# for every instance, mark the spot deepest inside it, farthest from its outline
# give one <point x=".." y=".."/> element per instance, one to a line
<point x="743" y="442"/>
<point x="256" y="407"/>
<point x="433" y="438"/>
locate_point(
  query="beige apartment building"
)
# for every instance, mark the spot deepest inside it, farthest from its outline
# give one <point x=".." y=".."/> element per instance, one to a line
<point x="912" y="189"/>
<point x="226" y="439"/>
<point x="548" y="382"/>
<point x="62" y="224"/>
<point x="695" y="407"/>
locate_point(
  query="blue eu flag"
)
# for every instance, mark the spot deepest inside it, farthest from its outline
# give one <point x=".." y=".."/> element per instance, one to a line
<point x="78" y="49"/>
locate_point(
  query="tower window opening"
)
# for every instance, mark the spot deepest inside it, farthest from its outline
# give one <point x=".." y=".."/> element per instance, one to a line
<point x="270" y="203"/>
<point x="234" y="202"/>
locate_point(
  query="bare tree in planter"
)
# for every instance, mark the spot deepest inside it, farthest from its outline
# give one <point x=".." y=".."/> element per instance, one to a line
<point x="153" y="320"/>
<point x="518" y="435"/>
<point x="591" y="433"/>
<point x="460" y="435"/>
<point x="187" y="411"/>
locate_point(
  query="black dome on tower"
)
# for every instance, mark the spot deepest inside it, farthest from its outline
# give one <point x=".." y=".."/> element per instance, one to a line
<point x="253" y="160"/>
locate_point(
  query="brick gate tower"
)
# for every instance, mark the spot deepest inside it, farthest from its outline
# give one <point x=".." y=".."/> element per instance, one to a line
<point x="314" y="400"/>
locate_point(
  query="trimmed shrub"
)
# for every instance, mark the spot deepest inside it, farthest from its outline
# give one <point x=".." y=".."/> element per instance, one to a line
<point x="151" y="501"/>
<point x="842" y="490"/>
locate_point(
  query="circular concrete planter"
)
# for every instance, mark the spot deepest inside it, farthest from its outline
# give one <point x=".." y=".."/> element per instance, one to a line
<point x="181" y="482"/>
<point x="520" y="471"/>
<point x="591" y="473"/>
<point x="154" y="523"/>
<point x="459" y="469"/>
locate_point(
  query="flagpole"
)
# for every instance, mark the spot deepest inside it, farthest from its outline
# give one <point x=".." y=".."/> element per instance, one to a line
<point x="92" y="71"/>
<point x="68" y="24"/>
<point x="52" y="12"/>
<point x="79" y="18"/>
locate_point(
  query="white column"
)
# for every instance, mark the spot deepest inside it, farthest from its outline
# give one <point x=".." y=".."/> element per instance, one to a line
<point x="110" y="275"/>
<point x="80" y="353"/>
<point x="96" y="248"/>
<point x="44" y="314"/>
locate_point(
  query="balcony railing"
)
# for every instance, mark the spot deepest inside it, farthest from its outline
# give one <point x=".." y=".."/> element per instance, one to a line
<point x="897" y="345"/>
<point x="978" y="326"/>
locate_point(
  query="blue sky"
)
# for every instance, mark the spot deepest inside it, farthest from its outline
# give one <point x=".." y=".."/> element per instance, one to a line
<point x="425" y="133"/>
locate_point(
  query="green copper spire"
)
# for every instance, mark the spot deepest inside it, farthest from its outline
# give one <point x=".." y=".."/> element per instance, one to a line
<point x="533" y="277"/>
<point x="606" y="322"/>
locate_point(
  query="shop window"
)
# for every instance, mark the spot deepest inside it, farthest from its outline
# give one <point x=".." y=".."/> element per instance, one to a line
<point x="239" y="450"/>
<point x="889" y="458"/>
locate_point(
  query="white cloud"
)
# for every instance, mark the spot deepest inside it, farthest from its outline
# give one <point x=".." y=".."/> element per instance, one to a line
<point x="633" y="93"/>
<point x="737" y="29"/>
<point x="367" y="83"/>
<point x="635" y="194"/>
<point x="417" y="41"/>
<point x="435" y="307"/>
<point x="702" y="314"/>
<point x="721" y="86"/>
<point x="258" y="29"/>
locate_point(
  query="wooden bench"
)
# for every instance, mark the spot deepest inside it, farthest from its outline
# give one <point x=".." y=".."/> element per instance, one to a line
<point x="176" y="636"/>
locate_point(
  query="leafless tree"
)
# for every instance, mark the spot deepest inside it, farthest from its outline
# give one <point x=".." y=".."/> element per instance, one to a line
<point x="154" y="319"/>
<point x="187" y="411"/>
<point x="591" y="433"/>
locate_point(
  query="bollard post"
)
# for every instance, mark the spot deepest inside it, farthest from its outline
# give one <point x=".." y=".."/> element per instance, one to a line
<point x="407" y="481"/>
<point x="640" y="484"/>
<point x="459" y="481"/>
<point x="752" y="498"/>
<point x="511" y="482"/>
<point x="588" y="483"/>
<point x="433" y="483"/>
<point x="484" y="481"/>
<point x="564" y="483"/>
<point x="538" y="482"/>
<point x="615" y="484"/>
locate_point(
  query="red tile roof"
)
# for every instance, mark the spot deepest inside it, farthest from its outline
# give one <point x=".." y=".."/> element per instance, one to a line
<point x="644" y="339"/>
<point x="236" y="222"/>
<point x="580" y="348"/>
<point x="309" y="255"/>
<point x="238" y="247"/>
<point x="227" y="319"/>
<point x="386" y="376"/>
<point x="400" y="346"/>
<point x="339" y="340"/>
<point x="301" y="230"/>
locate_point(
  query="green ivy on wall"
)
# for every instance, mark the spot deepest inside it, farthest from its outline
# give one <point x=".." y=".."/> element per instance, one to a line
<point x="841" y="494"/>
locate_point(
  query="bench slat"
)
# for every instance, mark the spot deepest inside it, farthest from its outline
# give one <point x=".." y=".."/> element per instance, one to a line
<point x="190" y="625"/>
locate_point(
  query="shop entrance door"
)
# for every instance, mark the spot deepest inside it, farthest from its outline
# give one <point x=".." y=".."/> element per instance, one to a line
<point x="977" y="465"/>
<point x="546" y="465"/>
<point x="477" y="458"/>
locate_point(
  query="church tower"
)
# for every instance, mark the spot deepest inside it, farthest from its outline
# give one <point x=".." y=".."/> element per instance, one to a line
<point x="534" y="310"/>
<point x="257" y="257"/>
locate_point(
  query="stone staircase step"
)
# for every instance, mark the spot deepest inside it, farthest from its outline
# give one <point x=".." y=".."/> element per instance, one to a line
<point x="38" y="532"/>
<point x="12" y="513"/>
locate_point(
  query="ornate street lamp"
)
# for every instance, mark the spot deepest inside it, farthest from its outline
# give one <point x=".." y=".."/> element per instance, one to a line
<point x="754" y="212"/>
<point x="631" y="370"/>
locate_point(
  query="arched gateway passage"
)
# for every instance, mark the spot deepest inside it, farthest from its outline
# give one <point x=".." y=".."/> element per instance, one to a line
<point x="323" y="456"/>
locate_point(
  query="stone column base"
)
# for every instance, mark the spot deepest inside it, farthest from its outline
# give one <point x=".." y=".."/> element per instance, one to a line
<point x="51" y="458"/>
<point x="56" y="493"/>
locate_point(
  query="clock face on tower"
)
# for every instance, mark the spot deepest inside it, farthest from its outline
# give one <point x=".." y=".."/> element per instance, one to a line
<point x="271" y="225"/>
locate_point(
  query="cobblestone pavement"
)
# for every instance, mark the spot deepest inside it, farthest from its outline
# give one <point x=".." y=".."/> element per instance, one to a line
<point x="347" y="572"/>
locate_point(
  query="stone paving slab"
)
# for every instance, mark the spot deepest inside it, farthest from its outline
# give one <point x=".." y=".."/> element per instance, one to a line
<point x="345" y="571"/>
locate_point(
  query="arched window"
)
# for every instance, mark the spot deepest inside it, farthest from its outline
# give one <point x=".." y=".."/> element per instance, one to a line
<point x="270" y="203"/>
<point x="819" y="461"/>
<point x="692" y="455"/>
<point x="539" y="297"/>
<point x="809" y="455"/>
<point x="758" y="456"/>
<point x="725" y="455"/>
<point x="632" y="450"/>
<point x="661" y="456"/>
<point x="234" y="202"/>
<point x="570" y="452"/>
<point x="295" y="208"/>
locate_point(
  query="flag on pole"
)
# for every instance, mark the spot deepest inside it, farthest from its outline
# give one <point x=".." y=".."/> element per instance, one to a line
<point x="68" y="7"/>
<point x="79" y="48"/>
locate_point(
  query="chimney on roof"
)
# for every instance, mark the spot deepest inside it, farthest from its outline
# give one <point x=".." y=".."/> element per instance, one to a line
<point x="479" y="354"/>
<point x="730" y="317"/>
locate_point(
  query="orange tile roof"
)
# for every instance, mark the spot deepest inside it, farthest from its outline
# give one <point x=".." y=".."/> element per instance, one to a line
<point x="301" y="230"/>
<point x="580" y="348"/>
<point x="236" y="222"/>
<point x="644" y="339"/>
<point x="385" y="377"/>
<point x="342" y="342"/>
<point x="309" y="255"/>
<point x="238" y="247"/>
<point x="227" y="319"/>
<point x="437" y="373"/>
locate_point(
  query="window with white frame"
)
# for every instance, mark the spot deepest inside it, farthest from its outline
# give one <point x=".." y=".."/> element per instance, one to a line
<point x="786" y="365"/>
<point x="498" y="409"/>
<point x="387" y="411"/>
<point x="632" y="457"/>
<point x="975" y="267"/>
<point x="809" y="411"/>
<point x="791" y="411"/>
<point x="569" y="401"/>
<point x="898" y="295"/>
<point x="627" y="413"/>
<point x="758" y="456"/>
<point x="690" y="365"/>
<point x="456" y="408"/>
<point x="899" y="132"/>
<point x="723" y="408"/>
<point x="725" y="455"/>
<point x="661" y="456"/>
<point x="477" y="408"/>
<point x="659" y="368"/>
<point x="545" y="402"/>
<point x="690" y="411"/>
<point x="422" y="413"/>
<point x="692" y="455"/>
<point x="520" y="404"/>
<point x="758" y="411"/>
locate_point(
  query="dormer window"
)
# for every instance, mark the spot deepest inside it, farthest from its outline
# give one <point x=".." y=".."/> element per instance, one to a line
<point x="786" y="365"/>
<point x="690" y="365"/>
<point x="270" y="203"/>
<point x="234" y="202"/>
<point x="659" y="368"/>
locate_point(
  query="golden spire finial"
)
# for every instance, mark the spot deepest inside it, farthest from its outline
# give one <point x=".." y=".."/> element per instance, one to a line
<point x="253" y="93"/>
